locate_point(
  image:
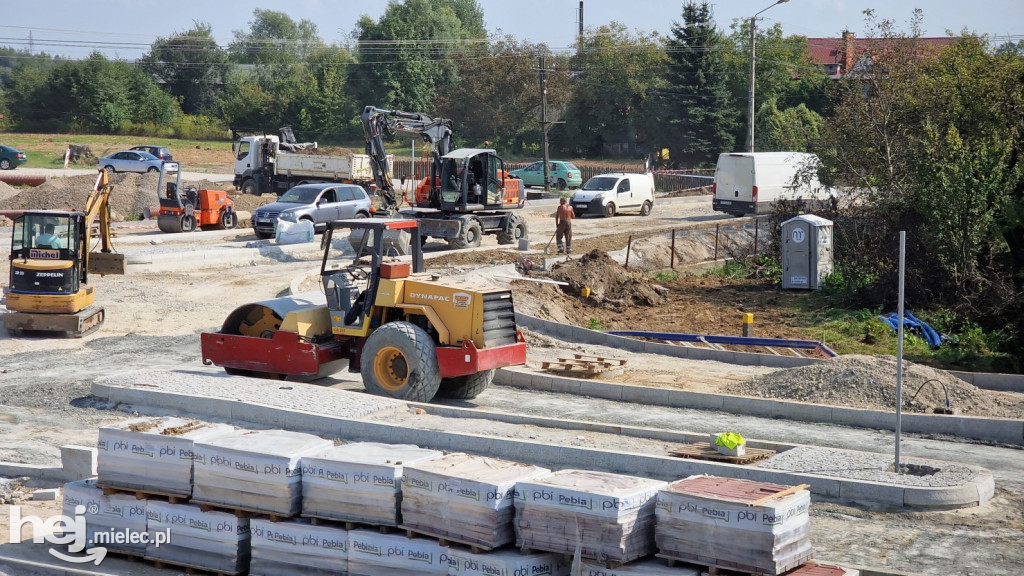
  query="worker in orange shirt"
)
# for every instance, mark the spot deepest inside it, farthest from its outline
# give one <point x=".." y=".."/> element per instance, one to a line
<point x="563" y="225"/>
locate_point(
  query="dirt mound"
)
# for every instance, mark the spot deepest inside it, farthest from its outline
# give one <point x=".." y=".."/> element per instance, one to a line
<point x="132" y="196"/>
<point x="608" y="281"/>
<point x="869" y="382"/>
<point x="328" y="151"/>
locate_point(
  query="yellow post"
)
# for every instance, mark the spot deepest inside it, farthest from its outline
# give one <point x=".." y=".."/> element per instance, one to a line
<point x="748" y="324"/>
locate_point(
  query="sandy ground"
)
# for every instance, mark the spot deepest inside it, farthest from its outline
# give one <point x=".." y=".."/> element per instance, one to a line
<point x="153" y="320"/>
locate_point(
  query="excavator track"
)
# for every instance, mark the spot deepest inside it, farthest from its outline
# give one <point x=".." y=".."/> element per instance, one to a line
<point x="76" y="325"/>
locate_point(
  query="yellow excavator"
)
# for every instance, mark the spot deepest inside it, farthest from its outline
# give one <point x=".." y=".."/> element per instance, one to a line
<point x="51" y="258"/>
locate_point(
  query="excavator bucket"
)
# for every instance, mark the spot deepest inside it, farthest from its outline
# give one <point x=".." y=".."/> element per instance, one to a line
<point x="107" y="263"/>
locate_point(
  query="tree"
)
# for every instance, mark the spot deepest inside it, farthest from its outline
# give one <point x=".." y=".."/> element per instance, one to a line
<point x="696" y="116"/>
<point x="274" y="38"/>
<point x="796" y="128"/>
<point x="405" y="57"/>
<point x="612" y="81"/>
<point x="191" y="66"/>
<point x="506" y="112"/>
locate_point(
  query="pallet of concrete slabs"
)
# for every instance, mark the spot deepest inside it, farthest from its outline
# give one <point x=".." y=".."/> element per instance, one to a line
<point x="465" y="498"/>
<point x="152" y="455"/>
<point x="373" y="554"/>
<point x="729" y="523"/>
<point x="650" y="567"/>
<point x="297" y="548"/>
<point x="360" y="482"/>
<point x="611" y="516"/>
<point x="254" y="470"/>
<point x="463" y="562"/>
<point x="207" y="540"/>
<point x="120" y="516"/>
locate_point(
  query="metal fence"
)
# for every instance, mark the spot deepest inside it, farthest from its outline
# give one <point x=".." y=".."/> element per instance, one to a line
<point x="664" y="180"/>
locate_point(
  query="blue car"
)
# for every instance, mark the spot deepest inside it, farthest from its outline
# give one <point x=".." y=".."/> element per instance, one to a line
<point x="133" y="161"/>
<point x="11" y="158"/>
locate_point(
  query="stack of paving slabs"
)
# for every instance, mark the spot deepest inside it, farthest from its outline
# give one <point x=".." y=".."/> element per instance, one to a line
<point x="650" y="567"/>
<point x="256" y="470"/>
<point x="373" y="554"/>
<point x="463" y="562"/>
<point x="611" y="516"/>
<point x="731" y="523"/>
<point x="297" y="548"/>
<point x="464" y="498"/>
<point x="120" y="516"/>
<point x="214" y="541"/>
<point x="152" y="454"/>
<point x="359" y="482"/>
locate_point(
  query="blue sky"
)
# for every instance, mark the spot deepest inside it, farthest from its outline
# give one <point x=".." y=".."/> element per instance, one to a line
<point x="125" y="28"/>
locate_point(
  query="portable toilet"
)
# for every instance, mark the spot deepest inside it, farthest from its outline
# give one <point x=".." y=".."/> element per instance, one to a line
<point x="806" y="252"/>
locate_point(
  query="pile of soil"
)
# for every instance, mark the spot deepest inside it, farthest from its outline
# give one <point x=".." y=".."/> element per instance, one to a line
<point x="610" y="284"/>
<point x="132" y="195"/>
<point x="869" y="382"/>
<point x="328" y="151"/>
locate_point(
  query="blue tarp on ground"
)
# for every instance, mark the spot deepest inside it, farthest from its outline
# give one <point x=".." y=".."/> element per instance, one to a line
<point x="914" y="324"/>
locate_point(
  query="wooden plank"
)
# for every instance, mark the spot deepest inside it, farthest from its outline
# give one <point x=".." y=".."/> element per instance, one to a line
<point x="705" y="451"/>
<point x="779" y="494"/>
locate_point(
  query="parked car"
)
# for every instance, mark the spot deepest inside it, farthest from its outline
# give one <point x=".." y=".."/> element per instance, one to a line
<point x="608" y="194"/>
<point x="11" y="158"/>
<point x="319" y="203"/>
<point x="563" y="174"/>
<point x="133" y="161"/>
<point x="160" y="152"/>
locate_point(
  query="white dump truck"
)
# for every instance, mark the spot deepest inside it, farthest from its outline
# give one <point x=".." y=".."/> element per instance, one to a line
<point x="270" y="163"/>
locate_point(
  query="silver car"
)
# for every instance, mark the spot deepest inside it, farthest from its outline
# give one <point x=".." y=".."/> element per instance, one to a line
<point x="319" y="203"/>
<point x="133" y="161"/>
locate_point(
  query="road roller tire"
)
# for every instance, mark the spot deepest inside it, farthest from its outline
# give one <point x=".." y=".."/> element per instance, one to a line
<point x="466" y="387"/>
<point x="170" y="223"/>
<point x="400" y="360"/>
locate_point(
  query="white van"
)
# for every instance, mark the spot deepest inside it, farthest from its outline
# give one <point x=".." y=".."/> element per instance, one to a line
<point x="609" y="194"/>
<point x="748" y="182"/>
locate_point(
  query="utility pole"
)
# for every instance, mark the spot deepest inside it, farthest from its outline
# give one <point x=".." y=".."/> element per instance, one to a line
<point x="753" y="59"/>
<point x="581" y="23"/>
<point x="545" y="125"/>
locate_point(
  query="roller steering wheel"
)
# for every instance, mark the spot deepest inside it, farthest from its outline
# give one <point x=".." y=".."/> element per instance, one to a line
<point x="357" y="272"/>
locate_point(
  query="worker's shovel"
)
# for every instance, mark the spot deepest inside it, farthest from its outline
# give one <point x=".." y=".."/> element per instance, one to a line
<point x="549" y="243"/>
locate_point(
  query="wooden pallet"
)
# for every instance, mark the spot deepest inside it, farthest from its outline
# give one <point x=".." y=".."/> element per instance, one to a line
<point x="705" y="451"/>
<point x="585" y="365"/>
<point x="239" y="511"/>
<point x="188" y="568"/>
<point x="603" y="359"/>
<point x="444" y="539"/>
<point x="348" y="524"/>
<point x="143" y="494"/>
<point x="716" y="566"/>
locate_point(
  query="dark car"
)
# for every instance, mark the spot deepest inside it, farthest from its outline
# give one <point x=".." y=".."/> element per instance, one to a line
<point x="319" y="203"/>
<point x="11" y="158"/>
<point x="160" y="152"/>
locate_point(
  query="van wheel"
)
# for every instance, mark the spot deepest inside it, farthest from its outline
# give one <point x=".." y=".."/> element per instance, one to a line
<point x="609" y="210"/>
<point x="645" y="210"/>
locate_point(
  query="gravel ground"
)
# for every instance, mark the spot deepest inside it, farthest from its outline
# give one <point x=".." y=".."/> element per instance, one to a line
<point x="868" y="466"/>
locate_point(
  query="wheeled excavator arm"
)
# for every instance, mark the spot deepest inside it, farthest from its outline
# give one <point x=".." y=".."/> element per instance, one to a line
<point x="378" y="123"/>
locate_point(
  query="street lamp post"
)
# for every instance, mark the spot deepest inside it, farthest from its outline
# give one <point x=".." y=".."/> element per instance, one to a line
<point x="753" y="59"/>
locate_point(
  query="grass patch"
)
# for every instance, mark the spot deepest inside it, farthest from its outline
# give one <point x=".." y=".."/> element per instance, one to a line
<point x="595" y="324"/>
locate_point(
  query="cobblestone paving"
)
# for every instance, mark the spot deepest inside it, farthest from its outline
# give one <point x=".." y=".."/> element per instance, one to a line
<point x="868" y="466"/>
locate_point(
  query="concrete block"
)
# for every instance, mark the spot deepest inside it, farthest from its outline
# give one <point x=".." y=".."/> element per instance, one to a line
<point x="865" y="418"/>
<point x="47" y="494"/>
<point x="601" y="390"/>
<point x="522" y="379"/>
<point x="696" y="400"/>
<point x="942" y="497"/>
<point x="542" y="382"/>
<point x="986" y="487"/>
<point x="991" y="429"/>
<point x="565" y="385"/>
<point x="503" y="376"/>
<point x="872" y="493"/>
<point x="748" y="406"/>
<point x="803" y="412"/>
<point x="645" y="395"/>
<point x="78" y="461"/>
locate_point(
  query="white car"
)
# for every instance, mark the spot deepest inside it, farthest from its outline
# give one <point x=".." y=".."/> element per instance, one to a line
<point x="609" y="194"/>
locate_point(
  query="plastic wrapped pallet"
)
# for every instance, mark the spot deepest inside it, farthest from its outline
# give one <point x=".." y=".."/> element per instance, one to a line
<point x="152" y="454"/>
<point x="610" y="515"/>
<point x="359" y="482"/>
<point x="255" y="470"/>
<point x="462" y="562"/>
<point x="120" y="516"/>
<point x="297" y="548"/>
<point x="374" y="554"/>
<point x="642" y="568"/>
<point x="214" y="541"/>
<point x="464" y="498"/>
<point x="711" y="520"/>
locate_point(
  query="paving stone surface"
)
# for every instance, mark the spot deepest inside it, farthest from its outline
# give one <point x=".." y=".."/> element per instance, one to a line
<point x="868" y="466"/>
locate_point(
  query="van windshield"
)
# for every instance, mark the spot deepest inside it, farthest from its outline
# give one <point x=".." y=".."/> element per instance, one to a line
<point x="600" y="183"/>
